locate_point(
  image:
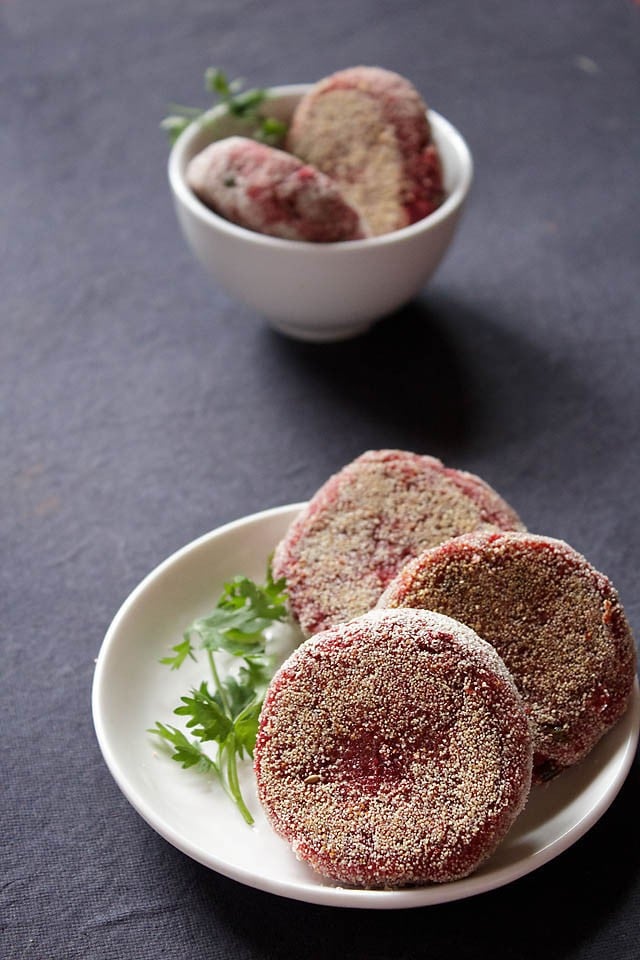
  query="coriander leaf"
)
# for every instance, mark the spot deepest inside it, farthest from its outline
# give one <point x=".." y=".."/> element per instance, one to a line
<point x="216" y="81"/>
<point x="256" y="673"/>
<point x="229" y="716"/>
<point x="246" y="727"/>
<point x="182" y="651"/>
<point x="244" y="104"/>
<point x="186" y="752"/>
<point x="174" y="126"/>
<point x="189" y="113"/>
<point x="243" y="613"/>
<point x="268" y="601"/>
<point x="271" y="131"/>
<point x="238" y="694"/>
<point x="207" y="717"/>
<point x="236" y="632"/>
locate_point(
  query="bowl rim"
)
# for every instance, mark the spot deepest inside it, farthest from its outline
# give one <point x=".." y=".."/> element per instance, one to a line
<point x="443" y="127"/>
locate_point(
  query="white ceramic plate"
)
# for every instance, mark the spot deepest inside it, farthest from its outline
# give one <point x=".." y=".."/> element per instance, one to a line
<point x="131" y="690"/>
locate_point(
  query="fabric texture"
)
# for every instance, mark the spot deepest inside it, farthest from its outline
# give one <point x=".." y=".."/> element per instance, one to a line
<point x="141" y="407"/>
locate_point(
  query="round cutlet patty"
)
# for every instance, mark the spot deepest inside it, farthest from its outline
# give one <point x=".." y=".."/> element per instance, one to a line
<point x="557" y="623"/>
<point x="367" y="521"/>
<point x="393" y="750"/>
<point x="269" y="191"/>
<point x="367" y="129"/>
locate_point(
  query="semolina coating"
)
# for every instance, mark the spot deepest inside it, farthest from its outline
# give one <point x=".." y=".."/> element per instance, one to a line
<point x="367" y="128"/>
<point x="557" y="623"/>
<point x="368" y="520"/>
<point x="393" y="750"/>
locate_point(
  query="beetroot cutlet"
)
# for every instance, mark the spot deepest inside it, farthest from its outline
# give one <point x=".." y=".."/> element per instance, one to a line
<point x="557" y="623"/>
<point x="367" y="521"/>
<point x="367" y="129"/>
<point x="393" y="750"/>
<point x="269" y="191"/>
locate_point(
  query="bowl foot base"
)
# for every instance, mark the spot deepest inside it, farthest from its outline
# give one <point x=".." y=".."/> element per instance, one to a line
<point x="323" y="333"/>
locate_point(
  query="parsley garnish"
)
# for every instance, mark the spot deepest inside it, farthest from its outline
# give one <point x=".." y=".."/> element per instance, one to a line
<point x="244" y="104"/>
<point x="227" y="712"/>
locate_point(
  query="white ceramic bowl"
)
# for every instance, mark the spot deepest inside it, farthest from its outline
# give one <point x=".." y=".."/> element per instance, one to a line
<point x="318" y="291"/>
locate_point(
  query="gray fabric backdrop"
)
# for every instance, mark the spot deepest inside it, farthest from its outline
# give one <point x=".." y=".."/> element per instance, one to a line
<point x="141" y="407"/>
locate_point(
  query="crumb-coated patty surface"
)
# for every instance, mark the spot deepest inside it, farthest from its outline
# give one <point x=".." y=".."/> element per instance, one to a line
<point x="269" y="191"/>
<point x="557" y="623"/>
<point x="367" y="129"/>
<point x="393" y="750"/>
<point x="367" y="521"/>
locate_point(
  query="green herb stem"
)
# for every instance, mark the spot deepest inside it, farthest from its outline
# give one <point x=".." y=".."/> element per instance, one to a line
<point x="234" y="783"/>
<point x="216" y="680"/>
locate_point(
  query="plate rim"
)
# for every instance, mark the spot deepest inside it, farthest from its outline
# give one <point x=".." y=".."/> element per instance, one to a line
<point x="334" y="895"/>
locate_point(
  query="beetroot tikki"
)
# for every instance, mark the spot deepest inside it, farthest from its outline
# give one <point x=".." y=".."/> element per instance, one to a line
<point x="271" y="192"/>
<point x="557" y="623"/>
<point x="367" y="521"/>
<point x="367" y="129"/>
<point x="393" y="750"/>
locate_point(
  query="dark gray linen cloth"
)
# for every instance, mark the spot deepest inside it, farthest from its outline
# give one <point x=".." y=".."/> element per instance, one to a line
<point x="141" y="407"/>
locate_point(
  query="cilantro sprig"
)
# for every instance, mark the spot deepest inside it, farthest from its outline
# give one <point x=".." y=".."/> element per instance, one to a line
<point x="224" y="712"/>
<point x="241" y="103"/>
